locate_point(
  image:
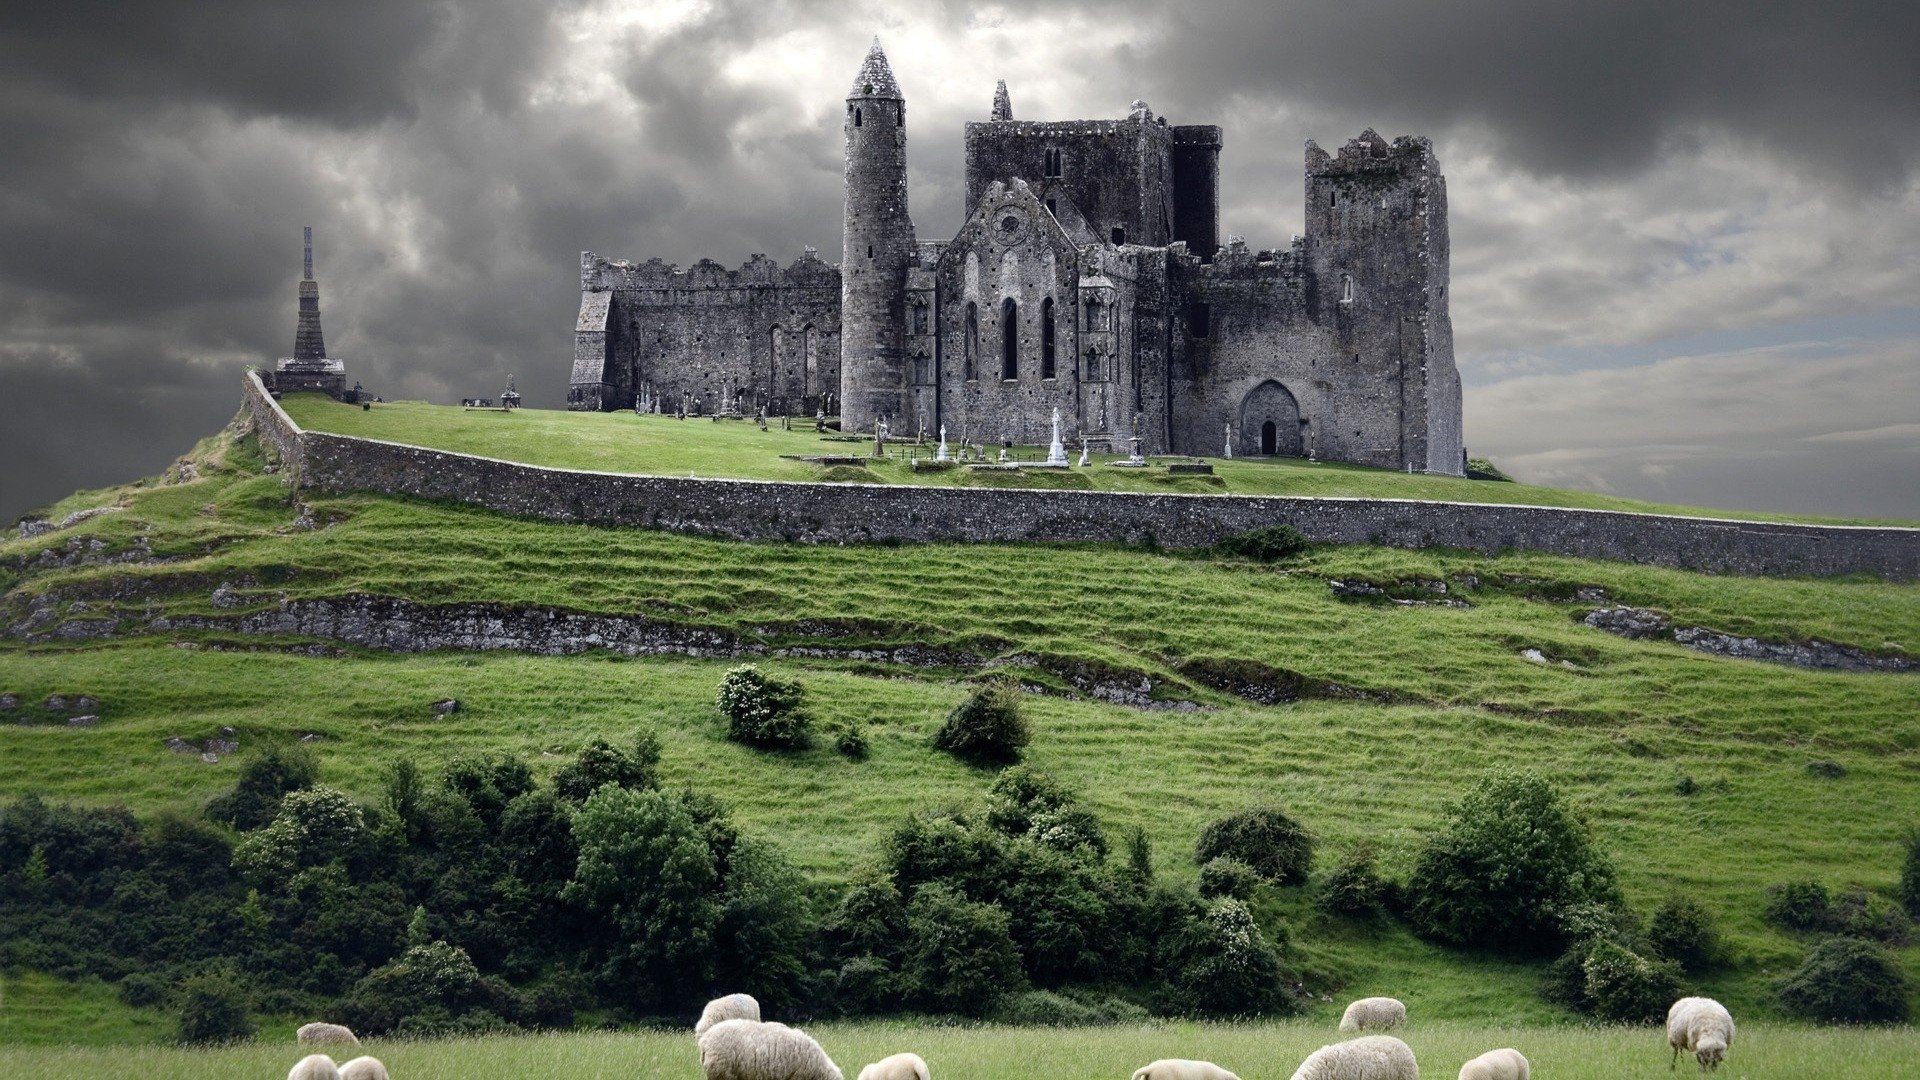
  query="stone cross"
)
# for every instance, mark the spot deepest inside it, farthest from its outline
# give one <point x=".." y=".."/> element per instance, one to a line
<point x="1056" y="453"/>
<point x="1229" y="439"/>
<point x="941" y="454"/>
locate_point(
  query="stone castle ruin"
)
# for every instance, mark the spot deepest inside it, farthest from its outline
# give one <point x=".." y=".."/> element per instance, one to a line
<point x="1088" y="277"/>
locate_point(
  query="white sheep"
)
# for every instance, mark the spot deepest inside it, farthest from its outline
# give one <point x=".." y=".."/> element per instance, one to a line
<point x="1370" y="1057"/>
<point x="1702" y="1026"/>
<point x="1373" y="1012"/>
<point x="326" y="1035"/>
<point x="364" y="1068"/>
<point x="1178" y="1069"/>
<point x="1503" y="1064"/>
<point x="731" y="1007"/>
<point x="756" y="1050"/>
<point x="314" y="1067"/>
<point x="897" y="1067"/>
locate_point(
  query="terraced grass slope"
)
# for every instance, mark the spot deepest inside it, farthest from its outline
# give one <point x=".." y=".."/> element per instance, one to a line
<point x="664" y="446"/>
<point x="1169" y="689"/>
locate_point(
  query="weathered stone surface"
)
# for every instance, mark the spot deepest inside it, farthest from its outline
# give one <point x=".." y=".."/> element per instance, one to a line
<point x="181" y="746"/>
<point x="86" y="721"/>
<point x="1641" y="623"/>
<point x="842" y="513"/>
<point x="446" y="706"/>
<point x="1629" y="622"/>
<point x="9" y="702"/>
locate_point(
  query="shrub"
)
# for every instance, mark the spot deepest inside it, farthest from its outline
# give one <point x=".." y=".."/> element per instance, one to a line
<point x="428" y="988"/>
<point x="488" y="781"/>
<point x="1510" y="864"/>
<point x="1354" y="887"/>
<point x="213" y="1009"/>
<point x="1845" y="980"/>
<point x="1046" y="1008"/>
<point x="264" y="780"/>
<point x="1861" y="914"/>
<point x="142" y="991"/>
<point x="601" y="763"/>
<point x="1683" y="931"/>
<point x="1264" y="838"/>
<point x="763" y="711"/>
<point x="1623" y="987"/>
<point x="315" y="826"/>
<point x="987" y="727"/>
<point x="962" y="957"/>
<point x="1223" y="966"/>
<point x="865" y="985"/>
<point x="1909" y="889"/>
<point x="1025" y="802"/>
<point x="1226" y="876"/>
<point x="852" y="742"/>
<point x="1139" y="856"/>
<point x="1270" y="543"/>
<point x="1805" y="906"/>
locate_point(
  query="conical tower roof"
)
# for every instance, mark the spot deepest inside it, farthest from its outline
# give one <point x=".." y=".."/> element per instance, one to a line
<point x="876" y="76"/>
<point x="1002" y="104"/>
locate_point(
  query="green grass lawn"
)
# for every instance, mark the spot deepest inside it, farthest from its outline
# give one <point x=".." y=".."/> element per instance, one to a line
<point x="1618" y="734"/>
<point x="1253" y="1051"/>
<point x="664" y="446"/>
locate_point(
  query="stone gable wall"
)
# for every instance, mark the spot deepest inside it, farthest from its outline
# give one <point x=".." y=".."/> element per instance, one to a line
<point x="843" y="513"/>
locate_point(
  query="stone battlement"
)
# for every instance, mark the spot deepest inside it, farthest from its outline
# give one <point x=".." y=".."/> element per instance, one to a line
<point x="598" y="274"/>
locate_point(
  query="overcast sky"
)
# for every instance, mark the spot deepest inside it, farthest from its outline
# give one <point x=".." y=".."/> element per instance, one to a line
<point x="1686" y="235"/>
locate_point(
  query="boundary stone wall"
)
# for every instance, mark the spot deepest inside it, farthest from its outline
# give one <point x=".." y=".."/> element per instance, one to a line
<point x="841" y="513"/>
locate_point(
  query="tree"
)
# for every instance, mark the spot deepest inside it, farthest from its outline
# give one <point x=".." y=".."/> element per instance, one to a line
<point x="763" y="711"/>
<point x="1220" y="964"/>
<point x="961" y="956"/>
<point x="264" y="780"/>
<point x="987" y="727"/>
<point x="213" y="1009"/>
<point x="314" y="826"/>
<point x="646" y="872"/>
<point x="1511" y="862"/>
<point x="1845" y="980"/>
<point x="1264" y="838"/>
<point x="601" y="763"/>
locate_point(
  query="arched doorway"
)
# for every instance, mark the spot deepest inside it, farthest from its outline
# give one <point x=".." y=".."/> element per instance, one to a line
<point x="1272" y="412"/>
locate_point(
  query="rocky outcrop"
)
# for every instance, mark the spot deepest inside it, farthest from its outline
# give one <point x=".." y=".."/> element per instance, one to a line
<point x="1645" y="624"/>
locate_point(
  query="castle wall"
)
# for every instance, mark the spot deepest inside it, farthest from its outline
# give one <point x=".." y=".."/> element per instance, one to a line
<point x="1114" y="173"/>
<point x="707" y="335"/>
<point x="839" y="513"/>
<point x="1196" y="188"/>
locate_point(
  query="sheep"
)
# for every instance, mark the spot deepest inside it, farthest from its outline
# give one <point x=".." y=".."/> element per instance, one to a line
<point x="1373" y="1012"/>
<point x="1178" y="1069"/>
<point x="1503" y="1064"/>
<point x="326" y="1035"/>
<point x="314" y="1067"/>
<point x="1370" y="1057"/>
<point x="1701" y="1025"/>
<point x="897" y="1067"/>
<point x="731" y="1007"/>
<point x="364" y="1068"/>
<point x="756" y="1050"/>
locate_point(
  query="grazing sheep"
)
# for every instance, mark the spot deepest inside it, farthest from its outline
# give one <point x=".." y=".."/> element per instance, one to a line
<point x="326" y="1035"/>
<point x="1503" y="1064"/>
<point x="1178" y="1069"/>
<point x="364" y="1068"/>
<point x="731" y="1007"/>
<point x="897" y="1067"/>
<point x="1703" y="1026"/>
<point x="1373" y="1012"/>
<point x="1370" y="1057"/>
<point x="756" y="1050"/>
<point x="314" y="1067"/>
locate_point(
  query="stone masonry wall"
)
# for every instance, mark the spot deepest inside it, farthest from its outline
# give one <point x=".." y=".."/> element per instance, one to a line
<point x="840" y="513"/>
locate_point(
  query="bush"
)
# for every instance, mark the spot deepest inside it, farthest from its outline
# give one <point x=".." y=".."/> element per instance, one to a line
<point x="987" y="727"/>
<point x="1354" y="887"/>
<point x="601" y="763"/>
<point x="1683" y="931"/>
<point x="1623" y="987"/>
<point x="763" y="711"/>
<point x="1845" y="980"/>
<point x="1265" y="838"/>
<point x="1223" y="966"/>
<point x="431" y="985"/>
<point x="1861" y="914"/>
<point x="264" y="780"/>
<point x="213" y="1009"/>
<point x="1805" y="906"/>
<point x="962" y="957"/>
<point x="1511" y="863"/>
<point x="315" y="826"/>
<point x="142" y="991"/>
<point x="1271" y="543"/>
<point x="1229" y="877"/>
<point x="1046" y="1008"/>
<point x="852" y="742"/>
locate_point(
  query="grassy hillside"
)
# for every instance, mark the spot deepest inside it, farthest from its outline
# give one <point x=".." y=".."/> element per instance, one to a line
<point x="1693" y="769"/>
<point x="1254" y="1051"/>
<point x="664" y="446"/>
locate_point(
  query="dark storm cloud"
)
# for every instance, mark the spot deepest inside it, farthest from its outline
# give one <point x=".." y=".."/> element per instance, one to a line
<point x="1581" y="88"/>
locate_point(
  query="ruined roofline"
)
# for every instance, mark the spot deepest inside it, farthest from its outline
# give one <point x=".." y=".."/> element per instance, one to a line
<point x="1368" y="152"/>
<point x="808" y="270"/>
<point x="1067" y="127"/>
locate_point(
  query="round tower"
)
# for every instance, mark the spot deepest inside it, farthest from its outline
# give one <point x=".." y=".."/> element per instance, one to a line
<point x="878" y="249"/>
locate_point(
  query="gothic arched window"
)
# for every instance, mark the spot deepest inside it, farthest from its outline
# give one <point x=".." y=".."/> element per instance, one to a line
<point x="1009" y="339"/>
<point x="1046" y="338"/>
<point x="970" y="345"/>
